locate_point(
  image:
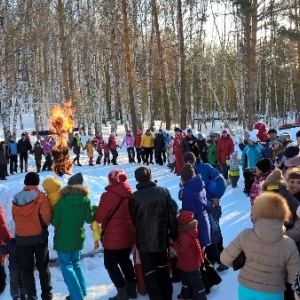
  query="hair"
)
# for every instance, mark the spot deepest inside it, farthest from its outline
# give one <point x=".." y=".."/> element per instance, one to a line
<point x="189" y="158"/>
<point x="270" y="206"/>
<point x="294" y="173"/>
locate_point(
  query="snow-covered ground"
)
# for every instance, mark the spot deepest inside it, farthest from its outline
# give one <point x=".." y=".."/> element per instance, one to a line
<point x="235" y="206"/>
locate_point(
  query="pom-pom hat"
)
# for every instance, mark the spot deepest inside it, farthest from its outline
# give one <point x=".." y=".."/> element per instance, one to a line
<point x="117" y="176"/>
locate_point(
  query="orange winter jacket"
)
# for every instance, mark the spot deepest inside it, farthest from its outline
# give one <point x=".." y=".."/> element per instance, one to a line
<point x="32" y="214"/>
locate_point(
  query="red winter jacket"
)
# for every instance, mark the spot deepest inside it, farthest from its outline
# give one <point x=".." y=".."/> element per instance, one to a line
<point x="178" y="145"/>
<point x="225" y="148"/>
<point x="190" y="256"/>
<point x="262" y="134"/>
<point x="5" y="235"/>
<point x="120" y="232"/>
<point x="112" y="143"/>
<point x="137" y="141"/>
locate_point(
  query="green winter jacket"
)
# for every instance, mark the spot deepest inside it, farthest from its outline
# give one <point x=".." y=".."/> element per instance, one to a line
<point x="69" y="215"/>
<point x="212" y="154"/>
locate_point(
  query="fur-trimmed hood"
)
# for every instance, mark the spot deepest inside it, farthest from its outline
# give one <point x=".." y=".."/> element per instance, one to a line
<point x="187" y="226"/>
<point x="75" y="189"/>
<point x="293" y="162"/>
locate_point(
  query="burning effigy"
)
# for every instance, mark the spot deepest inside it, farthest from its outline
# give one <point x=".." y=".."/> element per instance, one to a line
<point x="61" y="124"/>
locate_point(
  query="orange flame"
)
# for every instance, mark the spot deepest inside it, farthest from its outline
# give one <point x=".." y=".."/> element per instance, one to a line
<point x="61" y="124"/>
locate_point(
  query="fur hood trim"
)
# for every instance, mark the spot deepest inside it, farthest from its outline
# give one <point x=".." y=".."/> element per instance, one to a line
<point x="74" y="189"/>
<point x="185" y="227"/>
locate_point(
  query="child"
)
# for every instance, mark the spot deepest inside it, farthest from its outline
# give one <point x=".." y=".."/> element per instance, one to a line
<point x="189" y="256"/>
<point x="5" y="236"/>
<point x="38" y="154"/>
<point x="106" y="154"/>
<point x="17" y="290"/>
<point x="234" y="169"/>
<point x="171" y="157"/>
<point x="52" y="188"/>
<point x="262" y="170"/>
<point x="113" y="145"/>
<point x="90" y="151"/>
<point x="212" y="153"/>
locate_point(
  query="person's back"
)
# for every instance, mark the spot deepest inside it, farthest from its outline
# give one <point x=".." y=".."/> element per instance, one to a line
<point x="153" y="214"/>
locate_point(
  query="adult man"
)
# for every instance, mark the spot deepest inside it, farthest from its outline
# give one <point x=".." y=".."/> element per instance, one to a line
<point x="190" y="143"/>
<point x="32" y="214"/>
<point x="13" y="155"/>
<point x="159" y="146"/>
<point x="153" y="214"/>
<point x="24" y="146"/>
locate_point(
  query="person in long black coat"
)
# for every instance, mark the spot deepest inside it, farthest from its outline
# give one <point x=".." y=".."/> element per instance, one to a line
<point x="159" y="146"/>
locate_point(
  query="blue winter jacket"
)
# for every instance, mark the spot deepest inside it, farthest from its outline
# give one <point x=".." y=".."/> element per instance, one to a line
<point x="254" y="154"/>
<point x="13" y="148"/>
<point x="193" y="198"/>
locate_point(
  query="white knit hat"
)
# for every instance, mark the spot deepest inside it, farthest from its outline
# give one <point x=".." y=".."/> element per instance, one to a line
<point x="252" y="135"/>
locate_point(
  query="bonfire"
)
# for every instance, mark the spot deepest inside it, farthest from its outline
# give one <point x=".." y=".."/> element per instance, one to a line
<point x="61" y="124"/>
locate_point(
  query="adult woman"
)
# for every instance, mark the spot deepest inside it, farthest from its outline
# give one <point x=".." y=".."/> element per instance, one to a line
<point x="272" y="259"/>
<point x="113" y="213"/>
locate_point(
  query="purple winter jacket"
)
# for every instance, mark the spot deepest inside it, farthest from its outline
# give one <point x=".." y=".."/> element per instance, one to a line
<point x="128" y="140"/>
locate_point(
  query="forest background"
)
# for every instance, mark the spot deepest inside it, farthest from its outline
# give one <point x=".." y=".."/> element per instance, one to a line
<point x="133" y="62"/>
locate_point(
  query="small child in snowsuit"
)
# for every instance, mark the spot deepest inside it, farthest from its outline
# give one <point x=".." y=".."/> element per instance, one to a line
<point x="189" y="256"/>
<point x="90" y="151"/>
<point x="171" y="157"/>
<point x="17" y="290"/>
<point x="106" y="154"/>
<point x="38" y="154"/>
<point x="262" y="170"/>
<point x="52" y="188"/>
<point x="234" y="169"/>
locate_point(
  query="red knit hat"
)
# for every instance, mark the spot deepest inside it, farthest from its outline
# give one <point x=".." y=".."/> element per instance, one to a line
<point x="116" y="176"/>
<point x="185" y="217"/>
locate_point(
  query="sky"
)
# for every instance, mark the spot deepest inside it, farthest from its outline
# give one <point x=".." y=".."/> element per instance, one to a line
<point x="235" y="207"/>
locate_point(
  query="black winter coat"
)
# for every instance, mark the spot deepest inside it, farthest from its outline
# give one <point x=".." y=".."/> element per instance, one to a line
<point x="38" y="152"/>
<point x="159" y="143"/>
<point x="154" y="216"/>
<point x="190" y="147"/>
<point x="24" y="146"/>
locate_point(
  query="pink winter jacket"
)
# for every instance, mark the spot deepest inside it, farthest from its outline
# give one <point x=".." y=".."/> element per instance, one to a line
<point x="272" y="258"/>
<point x="255" y="189"/>
<point x="128" y="140"/>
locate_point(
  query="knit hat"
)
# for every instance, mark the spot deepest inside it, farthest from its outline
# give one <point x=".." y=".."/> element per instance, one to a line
<point x="116" y="176"/>
<point x="252" y="135"/>
<point x="76" y="179"/>
<point x="189" y="157"/>
<point x="185" y="217"/>
<point x="291" y="151"/>
<point x="32" y="178"/>
<point x="285" y="135"/>
<point x="297" y="284"/>
<point x="142" y="174"/>
<point x="177" y="129"/>
<point x="264" y="165"/>
<point x="278" y="141"/>
<point x="298" y="134"/>
<point x="187" y="172"/>
<point x="275" y="177"/>
<point x="160" y="130"/>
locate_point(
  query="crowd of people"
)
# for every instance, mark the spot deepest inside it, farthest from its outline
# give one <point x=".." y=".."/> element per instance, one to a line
<point x="168" y="243"/>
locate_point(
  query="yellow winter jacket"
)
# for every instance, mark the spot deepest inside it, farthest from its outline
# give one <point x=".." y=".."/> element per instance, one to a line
<point x="52" y="188"/>
<point x="147" y="141"/>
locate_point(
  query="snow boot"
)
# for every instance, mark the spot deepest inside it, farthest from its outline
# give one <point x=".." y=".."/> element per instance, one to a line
<point x="131" y="289"/>
<point x="121" y="295"/>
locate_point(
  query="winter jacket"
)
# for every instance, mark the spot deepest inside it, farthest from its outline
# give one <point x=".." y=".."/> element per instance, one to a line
<point x="272" y="258"/>
<point x="119" y="232"/>
<point x="255" y="189"/>
<point x="193" y="198"/>
<point x="207" y="173"/>
<point x="128" y="140"/>
<point x="189" y="145"/>
<point x="99" y="142"/>
<point x="10" y="248"/>
<point x="5" y="235"/>
<point x="234" y="165"/>
<point x="46" y="146"/>
<point x="294" y="233"/>
<point x="202" y="150"/>
<point x="24" y="146"/>
<point x="178" y="145"/>
<point x="112" y="143"/>
<point x="3" y="154"/>
<point x="70" y="213"/>
<point x="253" y="154"/>
<point x="187" y="246"/>
<point x="12" y="148"/>
<point x="224" y="148"/>
<point x="212" y="155"/>
<point x="147" y="141"/>
<point x="159" y="143"/>
<point x="262" y="133"/>
<point x="106" y="149"/>
<point x="76" y="145"/>
<point x="32" y="214"/>
<point x="38" y="152"/>
<point x="137" y="141"/>
<point x="90" y="148"/>
<point x="153" y="214"/>
<point x="168" y="139"/>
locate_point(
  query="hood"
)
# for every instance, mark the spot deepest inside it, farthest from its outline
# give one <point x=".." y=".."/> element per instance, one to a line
<point x="191" y="228"/>
<point x="269" y="230"/>
<point x="146" y="184"/>
<point x="292" y="162"/>
<point x="24" y="201"/>
<point x="78" y="189"/>
<point x="195" y="183"/>
<point x="121" y="188"/>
